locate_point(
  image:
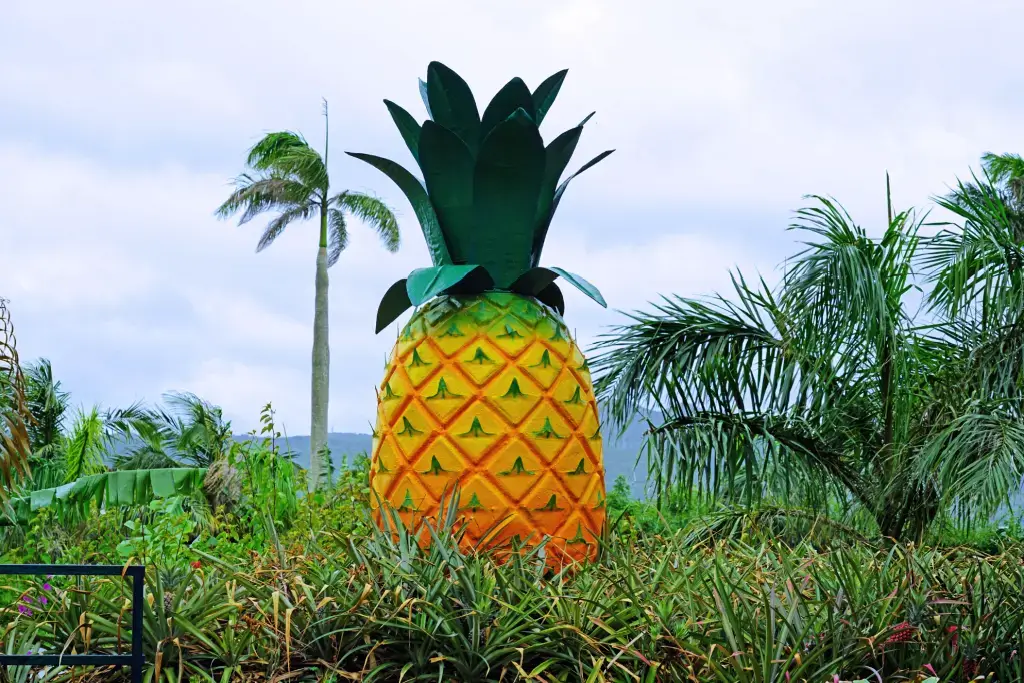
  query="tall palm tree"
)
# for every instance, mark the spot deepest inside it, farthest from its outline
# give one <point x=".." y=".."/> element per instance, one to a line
<point x="291" y="178"/>
<point x="828" y="391"/>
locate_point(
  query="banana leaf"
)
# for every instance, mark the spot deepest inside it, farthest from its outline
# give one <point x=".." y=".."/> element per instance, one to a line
<point x="111" y="489"/>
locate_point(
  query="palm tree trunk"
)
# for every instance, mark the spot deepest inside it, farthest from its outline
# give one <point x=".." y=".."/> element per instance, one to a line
<point x="321" y="362"/>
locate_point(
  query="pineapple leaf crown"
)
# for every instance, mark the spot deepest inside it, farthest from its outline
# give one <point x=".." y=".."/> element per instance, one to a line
<point x="489" y="191"/>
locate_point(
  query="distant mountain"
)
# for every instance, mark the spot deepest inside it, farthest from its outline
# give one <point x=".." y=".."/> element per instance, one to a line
<point x="620" y="454"/>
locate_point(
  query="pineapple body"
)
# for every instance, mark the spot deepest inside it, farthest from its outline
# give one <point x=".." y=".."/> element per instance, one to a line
<point x="491" y="393"/>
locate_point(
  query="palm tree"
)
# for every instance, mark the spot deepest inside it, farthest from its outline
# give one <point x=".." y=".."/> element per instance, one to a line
<point x="188" y="432"/>
<point x="829" y="391"/>
<point x="49" y="404"/>
<point x="291" y="178"/>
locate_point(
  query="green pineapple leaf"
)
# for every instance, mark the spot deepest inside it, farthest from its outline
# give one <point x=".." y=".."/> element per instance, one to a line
<point x="395" y="303"/>
<point x="424" y="284"/>
<point x="542" y="226"/>
<point x="425" y="97"/>
<point x="421" y="204"/>
<point x="557" y="155"/>
<point x="545" y="94"/>
<point x="535" y="280"/>
<point x="506" y="184"/>
<point x="513" y="96"/>
<point x="582" y="285"/>
<point x="552" y="296"/>
<point x="407" y="126"/>
<point x="451" y="103"/>
<point x="447" y="165"/>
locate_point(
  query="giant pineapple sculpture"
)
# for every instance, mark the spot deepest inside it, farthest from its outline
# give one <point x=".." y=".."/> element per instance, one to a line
<point x="485" y="388"/>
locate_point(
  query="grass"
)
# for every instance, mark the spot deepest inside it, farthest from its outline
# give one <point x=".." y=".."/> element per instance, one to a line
<point x="743" y="606"/>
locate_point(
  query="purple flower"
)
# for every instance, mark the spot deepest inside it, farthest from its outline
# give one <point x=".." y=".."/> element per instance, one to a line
<point x="26" y="598"/>
<point x="24" y="610"/>
<point x="47" y="587"/>
<point x="43" y="600"/>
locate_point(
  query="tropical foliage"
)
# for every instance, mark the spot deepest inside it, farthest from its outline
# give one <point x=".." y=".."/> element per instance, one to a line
<point x="839" y="389"/>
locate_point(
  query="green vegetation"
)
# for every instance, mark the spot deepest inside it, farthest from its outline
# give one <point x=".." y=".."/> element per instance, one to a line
<point x="830" y="392"/>
<point x="828" y="460"/>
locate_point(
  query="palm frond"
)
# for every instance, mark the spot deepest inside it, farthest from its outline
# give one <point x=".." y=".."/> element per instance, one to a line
<point x="338" y="236"/>
<point x="289" y="155"/>
<point x="977" y="267"/>
<point x="978" y="459"/>
<point x="277" y="226"/>
<point x="717" y="356"/>
<point x="48" y="404"/>
<point x="375" y="213"/>
<point x="848" y="278"/>
<point x="85" y="448"/>
<point x="256" y="195"/>
<point x="1007" y="169"/>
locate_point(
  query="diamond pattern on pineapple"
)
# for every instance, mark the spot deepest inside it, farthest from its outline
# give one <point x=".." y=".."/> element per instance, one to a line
<point x="476" y="430"/>
<point x="517" y="468"/>
<point x="548" y="504"/>
<point x="479" y="404"/>
<point x="481" y="361"/>
<point x="439" y="467"/>
<point x="513" y="395"/>
<point x="452" y="333"/>
<point x="411" y="430"/>
<point x="421" y="364"/>
<point x="575" y="468"/>
<point x="574" y="399"/>
<point x="510" y="335"/>
<point x="409" y="337"/>
<point x="556" y="337"/>
<point x="543" y="366"/>
<point x="446" y="394"/>
<point x="590" y="428"/>
<point x="547" y="431"/>
<point x="394" y="395"/>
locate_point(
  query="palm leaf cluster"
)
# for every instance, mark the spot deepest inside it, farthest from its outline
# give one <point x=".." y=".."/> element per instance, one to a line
<point x="489" y="192"/>
<point x="289" y="177"/>
<point x="842" y="388"/>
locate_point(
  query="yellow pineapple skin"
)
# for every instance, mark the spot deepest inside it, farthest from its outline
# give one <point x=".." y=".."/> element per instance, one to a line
<point x="491" y="392"/>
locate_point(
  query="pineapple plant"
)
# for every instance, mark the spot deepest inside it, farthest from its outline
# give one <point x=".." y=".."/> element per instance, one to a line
<point x="485" y="391"/>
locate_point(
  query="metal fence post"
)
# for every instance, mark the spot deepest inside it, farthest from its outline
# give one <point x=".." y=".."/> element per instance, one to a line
<point x="136" y="660"/>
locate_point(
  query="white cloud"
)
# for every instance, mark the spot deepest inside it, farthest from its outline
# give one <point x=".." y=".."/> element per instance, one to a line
<point x="120" y="123"/>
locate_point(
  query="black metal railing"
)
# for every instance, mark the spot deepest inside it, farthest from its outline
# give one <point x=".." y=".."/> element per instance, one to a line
<point x="136" y="660"/>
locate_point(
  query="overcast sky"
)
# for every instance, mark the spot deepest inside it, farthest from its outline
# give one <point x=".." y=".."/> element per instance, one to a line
<point x="121" y="124"/>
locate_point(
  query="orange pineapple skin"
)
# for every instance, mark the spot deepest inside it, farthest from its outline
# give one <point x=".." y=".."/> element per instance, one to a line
<point x="491" y="393"/>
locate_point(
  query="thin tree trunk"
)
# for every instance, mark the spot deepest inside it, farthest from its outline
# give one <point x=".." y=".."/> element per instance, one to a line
<point x="321" y="364"/>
